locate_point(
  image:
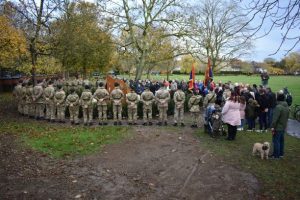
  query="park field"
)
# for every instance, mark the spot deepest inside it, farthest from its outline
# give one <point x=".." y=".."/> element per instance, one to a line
<point x="275" y="82"/>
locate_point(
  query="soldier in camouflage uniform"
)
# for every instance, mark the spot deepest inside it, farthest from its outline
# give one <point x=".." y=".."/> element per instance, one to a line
<point x="194" y="105"/>
<point x="29" y="101"/>
<point x="18" y="96"/>
<point x="23" y="99"/>
<point x="162" y="98"/>
<point x="59" y="101"/>
<point x="179" y="98"/>
<point x="38" y="101"/>
<point x="102" y="97"/>
<point x="86" y="102"/>
<point x="72" y="102"/>
<point x="132" y="100"/>
<point x="49" y="92"/>
<point x="208" y="105"/>
<point x="147" y="99"/>
<point x="117" y="96"/>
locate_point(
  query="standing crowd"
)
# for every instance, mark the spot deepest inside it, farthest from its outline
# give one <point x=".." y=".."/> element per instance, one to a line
<point x="241" y="104"/>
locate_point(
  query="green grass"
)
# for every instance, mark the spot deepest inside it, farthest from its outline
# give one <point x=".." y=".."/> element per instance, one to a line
<point x="275" y="82"/>
<point x="58" y="141"/>
<point x="280" y="179"/>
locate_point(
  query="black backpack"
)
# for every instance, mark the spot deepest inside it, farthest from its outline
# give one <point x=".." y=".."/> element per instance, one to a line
<point x="288" y="97"/>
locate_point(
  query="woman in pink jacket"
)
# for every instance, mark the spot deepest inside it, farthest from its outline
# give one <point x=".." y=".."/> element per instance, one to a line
<point x="231" y="115"/>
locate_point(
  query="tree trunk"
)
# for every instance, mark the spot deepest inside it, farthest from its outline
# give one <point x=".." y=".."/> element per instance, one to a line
<point x="33" y="41"/>
<point x="140" y="68"/>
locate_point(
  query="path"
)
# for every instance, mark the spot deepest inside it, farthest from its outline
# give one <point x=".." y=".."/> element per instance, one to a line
<point x="160" y="163"/>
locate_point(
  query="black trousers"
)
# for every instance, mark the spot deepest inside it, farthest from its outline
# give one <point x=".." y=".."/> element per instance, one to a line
<point x="231" y="132"/>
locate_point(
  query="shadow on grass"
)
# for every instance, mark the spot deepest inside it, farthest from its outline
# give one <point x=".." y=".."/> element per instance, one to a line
<point x="280" y="179"/>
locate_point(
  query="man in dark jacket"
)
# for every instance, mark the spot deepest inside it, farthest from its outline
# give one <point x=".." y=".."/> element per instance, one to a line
<point x="262" y="100"/>
<point x="271" y="105"/>
<point x="279" y="124"/>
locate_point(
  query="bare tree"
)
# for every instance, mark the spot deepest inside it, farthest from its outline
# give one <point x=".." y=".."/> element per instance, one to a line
<point x="213" y="32"/>
<point x="283" y="15"/>
<point x="138" y="18"/>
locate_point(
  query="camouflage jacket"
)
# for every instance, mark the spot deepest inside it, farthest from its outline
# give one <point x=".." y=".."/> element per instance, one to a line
<point x="29" y="93"/>
<point x="162" y="97"/>
<point x="38" y="94"/>
<point x="72" y="100"/>
<point x="59" y="97"/>
<point x="102" y="96"/>
<point x="18" y="92"/>
<point x="147" y="98"/>
<point x="179" y="98"/>
<point x="117" y="96"/>
<point x="132" y="99"/>
<point x="49" y="94"/>
<point x="86" y="98"/>
<point x="194" y="103"/>
<point x="210" y="98"/>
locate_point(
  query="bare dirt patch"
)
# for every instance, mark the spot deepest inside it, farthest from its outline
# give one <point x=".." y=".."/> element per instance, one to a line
<point x="156" y="163"/>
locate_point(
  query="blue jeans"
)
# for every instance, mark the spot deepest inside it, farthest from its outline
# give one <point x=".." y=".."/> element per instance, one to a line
<point x="278" y="144"/>
<point x="269" y="116"/>
<point x="262" y="118"/>
<point x="242" y="123"/>
<point x="251" y="124"/>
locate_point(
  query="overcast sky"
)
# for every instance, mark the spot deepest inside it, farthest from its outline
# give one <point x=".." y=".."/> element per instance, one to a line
<point x="268" y="44"/>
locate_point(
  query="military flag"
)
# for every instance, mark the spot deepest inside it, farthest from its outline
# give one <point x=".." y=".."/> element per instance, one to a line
<point x="208" y="73"/>
<point x="192" y="77"/>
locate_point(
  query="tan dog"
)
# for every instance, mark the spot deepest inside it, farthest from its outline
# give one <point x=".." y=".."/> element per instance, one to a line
<point x="263" y="149"/>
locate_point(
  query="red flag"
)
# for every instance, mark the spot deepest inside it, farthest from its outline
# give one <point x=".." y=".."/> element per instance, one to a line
<point x="208" y="73"/>
<point x="192" y="77"/>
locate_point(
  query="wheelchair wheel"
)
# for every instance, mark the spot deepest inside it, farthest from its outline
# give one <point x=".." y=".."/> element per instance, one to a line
<point x="297" y="115"/>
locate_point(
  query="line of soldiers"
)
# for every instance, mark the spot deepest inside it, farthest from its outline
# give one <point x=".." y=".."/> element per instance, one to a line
<point x="50" y="102"/>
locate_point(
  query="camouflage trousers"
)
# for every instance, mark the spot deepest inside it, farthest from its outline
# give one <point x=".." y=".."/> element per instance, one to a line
<point x="195" y="118"/>
<point x="102" y="113"/>
<point x="20" y="106"/>
<point x="61" y="109"/>
<point x="38" y="110"/>
<point x="29" y="109"/>
<point x="163" y="117"/>
<point x="117" y="110"/>
<point x="147" y="113"/>
<point x="178" y="115"/>
<point x="74" y="112"/>
<point x="87" y="114"/>
<point x="26" y="109"/>
<point x="132" y="114"/>
<point x="50" y="111"/>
